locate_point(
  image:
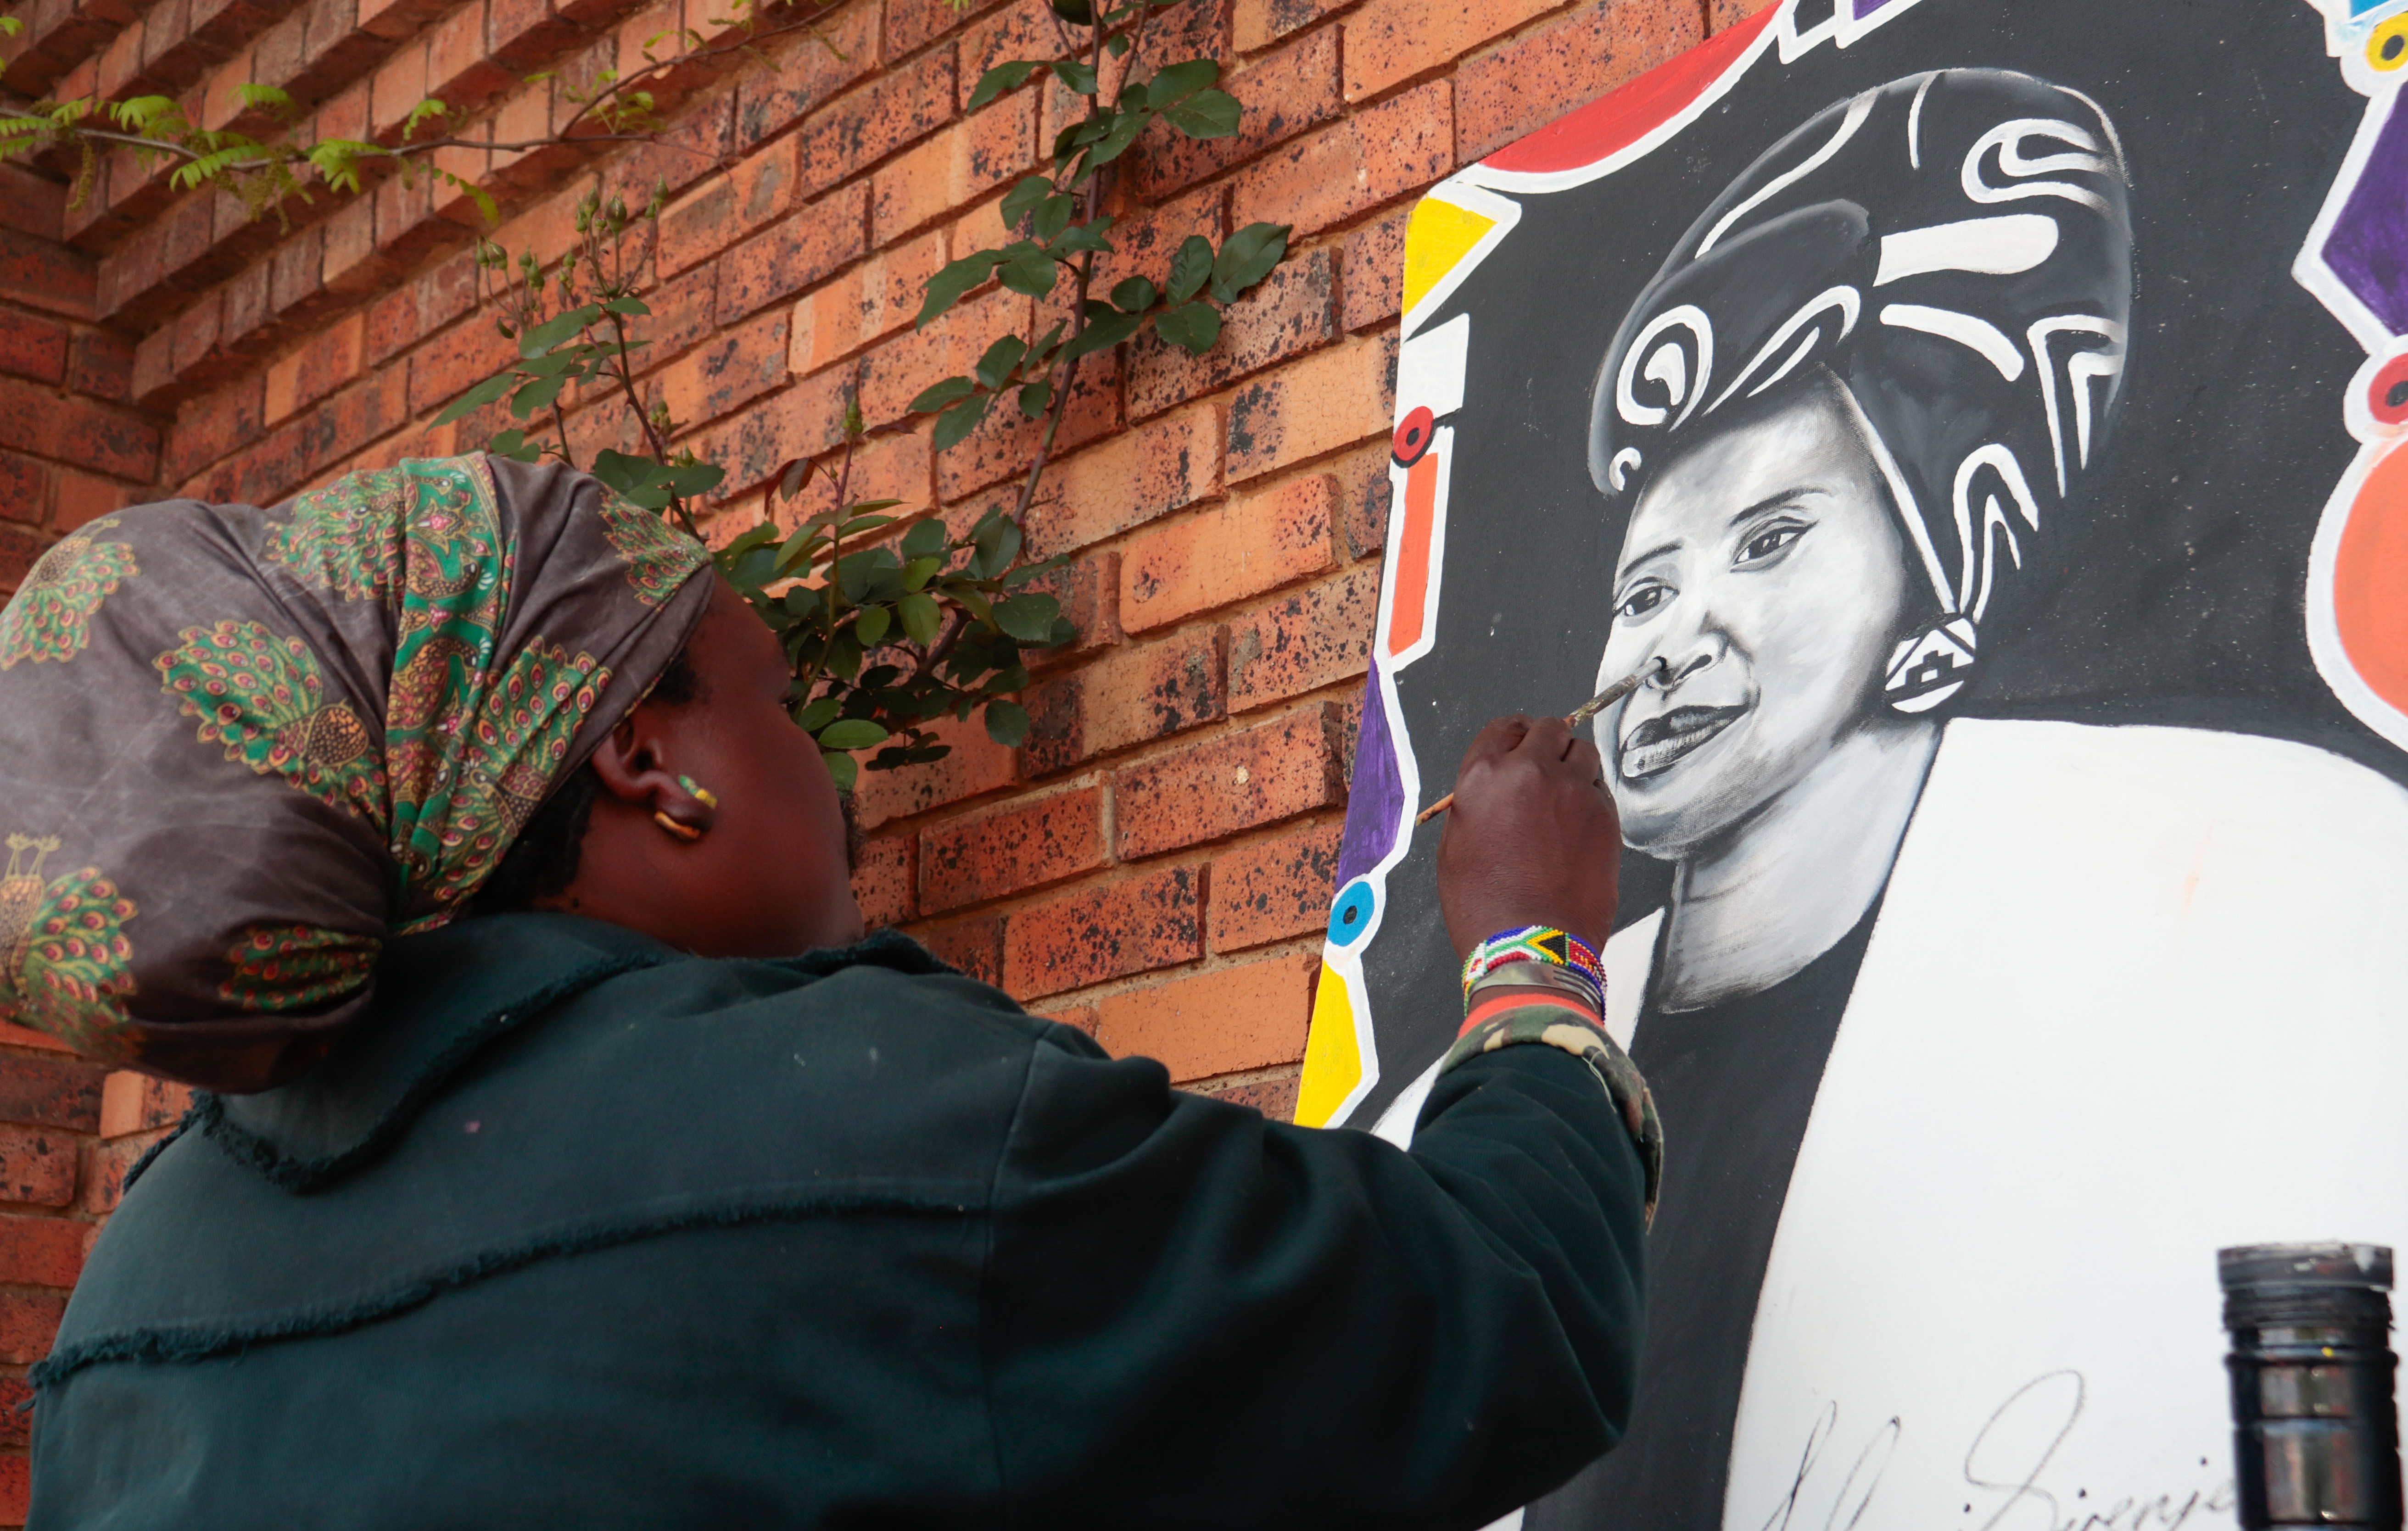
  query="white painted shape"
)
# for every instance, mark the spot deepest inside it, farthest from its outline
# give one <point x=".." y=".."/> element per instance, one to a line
<point x="2097" y="1035"/>
<point x="1978" y="334"/>
<point x="1395" y="1123"/>
<point x="1990" y="246"/>
<point x="1430" y="368"/>
<point x="1859" y="110"/>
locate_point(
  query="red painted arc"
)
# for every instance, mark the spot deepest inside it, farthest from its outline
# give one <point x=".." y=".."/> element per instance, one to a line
<point x="1628" y="113"/>
<point x="2369" y="571"/>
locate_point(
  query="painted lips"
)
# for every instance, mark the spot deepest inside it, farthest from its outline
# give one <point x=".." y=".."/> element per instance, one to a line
<point x="1660" y="742"/>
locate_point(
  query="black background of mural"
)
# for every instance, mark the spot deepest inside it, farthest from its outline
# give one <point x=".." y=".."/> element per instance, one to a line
<point x="2184" y="598"/>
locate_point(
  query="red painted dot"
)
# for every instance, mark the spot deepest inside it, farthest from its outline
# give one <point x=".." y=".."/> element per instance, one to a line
<point x="1413" y="434"/>
<point x="2386" y="397"/>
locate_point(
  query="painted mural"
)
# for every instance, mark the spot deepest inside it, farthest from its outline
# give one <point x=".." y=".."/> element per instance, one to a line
<point x="1991" y="412"/>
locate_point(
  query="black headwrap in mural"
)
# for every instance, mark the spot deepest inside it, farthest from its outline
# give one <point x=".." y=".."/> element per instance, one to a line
<point x="1956" y="249"/>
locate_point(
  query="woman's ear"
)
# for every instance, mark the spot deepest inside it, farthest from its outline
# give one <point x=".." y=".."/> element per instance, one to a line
<point x="629" y="764"/>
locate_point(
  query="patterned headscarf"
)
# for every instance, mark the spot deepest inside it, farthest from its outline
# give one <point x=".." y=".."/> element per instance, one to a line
<point x="1956" y="249"/>
<point x="243" y="747"/>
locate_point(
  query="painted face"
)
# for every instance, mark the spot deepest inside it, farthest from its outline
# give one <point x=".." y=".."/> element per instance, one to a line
<point x="1765" y="566"/>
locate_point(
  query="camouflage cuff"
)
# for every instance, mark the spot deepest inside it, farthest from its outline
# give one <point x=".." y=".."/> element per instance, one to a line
<point x="1557" y="1020"/>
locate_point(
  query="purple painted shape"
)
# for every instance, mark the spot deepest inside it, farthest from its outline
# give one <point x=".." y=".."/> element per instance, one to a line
<point x="1378" y="798"/>
<point x="1865" y="8"/>
<point x="2367" y="249"/>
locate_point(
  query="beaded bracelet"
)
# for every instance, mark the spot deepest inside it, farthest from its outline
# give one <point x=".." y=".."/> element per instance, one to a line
<point x="1560" y="951"/>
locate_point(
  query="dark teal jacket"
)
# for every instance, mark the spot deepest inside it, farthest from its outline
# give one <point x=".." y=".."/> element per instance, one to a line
<point x="582" y="1232"/>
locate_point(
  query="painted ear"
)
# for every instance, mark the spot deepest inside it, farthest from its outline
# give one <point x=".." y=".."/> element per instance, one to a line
<point x="1928" y="669"/>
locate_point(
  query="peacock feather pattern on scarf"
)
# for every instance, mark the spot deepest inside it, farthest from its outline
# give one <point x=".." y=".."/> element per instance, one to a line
<point x="50" y="617"/>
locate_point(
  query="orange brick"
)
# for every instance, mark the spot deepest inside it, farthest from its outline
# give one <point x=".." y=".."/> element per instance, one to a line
<point x="792" y="254"/>
<point x="895" y="372"/>
<point x="1026" y="30"/>
<point x="734" y="369"/>
<point x="1372" y="270"/>
<point x="1254" y="543"/>
<point x="759" y="188"/>
<point x="1127" y="696"/>
<point x="16" y="1485"/>
<point x="1273" y="1095"/>
<point x="1134" y="927"/>
<point x="1363" y="493"/>
<point x="456" y="361"/>
<point x="868" y="303"/>
<point x="24" y="497"/>
<point x="547" y="229"/>
<point x="1026" y="844"/>
<point x="1161" y="466"/>
<point x="1238" y="781"/>
<point x="1143" y="242"/>
<point x="395" y="92"/>
<point x="1294" y="311"/>
<point x="858" y="130"/>
<point x="1327" y="400"/>
<point x="887" y="468"/>
<point x="1284" y="93"/>
<point x="28" y="1322"/>
<point x="81" y="497"/>
<point x="1730" y="13"/>
<point x="968" y="159"/>
<point x="804" y="420"/>
<point x="1250" y="1016"/>
<point x="973" y="946"/>
<point x="51" y="1092"/>
<point x="804" y="73"/>
<point x="1538" y="78"/>
<point x="77" y="431"/>
<point x="1274" y="890"/>
<point x="1089" y="592"/>
<point x="1390" y="41"/>
<point x="33" y="348"/>
<point x="458" y="70"/>
<point x="912" y="23"/>
<point x="132" y="1102"/>
<point x="209" y="427"/>
<point x="1006" y="442"/>
<point x="323" y="363"/>
<point x="978" y="765"/>
<point x="1076" y="1017"/>
<point x="352" y="266"/>
<point x="36" y="1166"/>
<point x="1304" y="640"/>
<point x="41" y="1250"/>
<point x="1258" y="23"/>
<point x="881" y="880"/>
<point x="1399" y="147"/>
<point x="222" y="103"/>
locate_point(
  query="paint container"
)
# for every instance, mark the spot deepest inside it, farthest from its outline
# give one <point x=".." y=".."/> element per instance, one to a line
<point x="2315" y="1428"/>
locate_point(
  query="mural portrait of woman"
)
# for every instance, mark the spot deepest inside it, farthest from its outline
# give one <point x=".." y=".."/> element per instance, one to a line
<point x="1976" y="432"/>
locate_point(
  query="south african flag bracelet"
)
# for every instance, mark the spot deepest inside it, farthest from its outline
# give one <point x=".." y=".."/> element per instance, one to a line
<point x="1560" y="949"/>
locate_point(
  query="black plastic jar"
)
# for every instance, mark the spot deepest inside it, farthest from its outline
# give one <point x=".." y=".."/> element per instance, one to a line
<point x="2315" y="1429"/>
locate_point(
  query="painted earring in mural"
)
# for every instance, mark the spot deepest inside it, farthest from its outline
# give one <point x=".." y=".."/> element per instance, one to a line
<point x="1950" y="393"/>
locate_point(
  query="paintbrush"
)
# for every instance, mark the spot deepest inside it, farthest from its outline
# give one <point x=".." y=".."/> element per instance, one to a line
<point x="1576" y="717"/>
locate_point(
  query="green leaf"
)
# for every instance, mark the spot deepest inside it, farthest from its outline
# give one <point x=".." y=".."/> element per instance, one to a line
<point x="871" y="627"/>
<point x="1113" y="144"/>
<point x="852" y="734"/>
<point x="1246" y="258"/>
<point x="622" y="472"/>
<point x="689" y="479"/>
<point x="1032" y="272"/>
<point x="842" y="768"/>
<point x="1077" y="76"/>
<point x="551" y="332"/>
<point x="633" y="307"/>
<point x="1028" y="618"/>
<point x="1002" y="78"/>
<point x="937" y="395"/>
<point x="843" y="656"/>
<point x="1193" y="327"/>
<point x="960" y="420"/>
<point x="946" y="287"/>
<point x="1024" y="198"/>
<point x="1176" y="83"/>
<point x="514" y="445"/>
<point x="921" y="617"/>
<point x="1135" y="296"/>
<point x="477" y="398"/>
<point x="1081" y="236"/>
<point x="997" y="545"/>
<point x="919" y="571"/>
<point x="1034" y="397"/>
<point x="1007" y="724"/>
<point x="995" y="368"/>
<point x="864" y="524"/>
<point x="813" y="716"/>
<point x="1117" y="44"/>
<point x="1053" y="215"/>
<point x="1191" y="267"/>
<point x="925" y="539"/>
<point x="1207" y="114"/>
<point x="797" y="552"/>
<point x="1101" y="335"/>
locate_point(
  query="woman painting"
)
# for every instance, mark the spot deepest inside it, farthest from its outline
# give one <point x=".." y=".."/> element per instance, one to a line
<point x="570" y="1159"/>
<point x="1963" y="1029"/>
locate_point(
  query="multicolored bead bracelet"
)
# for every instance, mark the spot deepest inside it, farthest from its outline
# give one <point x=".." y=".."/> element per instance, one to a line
<point x="1564" y="959"/>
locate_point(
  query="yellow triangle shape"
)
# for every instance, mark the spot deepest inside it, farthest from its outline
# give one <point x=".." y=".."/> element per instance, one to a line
<point x="1333" y="1065"/>
<point x="1440" y="235"/>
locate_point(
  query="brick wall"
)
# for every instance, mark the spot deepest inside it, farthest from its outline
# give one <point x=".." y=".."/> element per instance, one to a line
<point x="1155" y="864"/>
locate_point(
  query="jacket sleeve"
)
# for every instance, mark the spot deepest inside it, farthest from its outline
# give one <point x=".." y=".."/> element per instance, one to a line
<point x="1195" y="1317"/>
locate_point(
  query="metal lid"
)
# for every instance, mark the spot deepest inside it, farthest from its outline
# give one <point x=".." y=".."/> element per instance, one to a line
<point x="2305" y="1265"/>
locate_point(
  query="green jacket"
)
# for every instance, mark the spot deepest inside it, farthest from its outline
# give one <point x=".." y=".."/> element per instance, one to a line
<point x="584" y="1232"/>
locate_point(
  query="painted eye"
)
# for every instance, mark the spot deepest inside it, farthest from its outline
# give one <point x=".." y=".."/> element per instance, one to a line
<point x="1641" y="601"/>
<point x="1771" y="540"/>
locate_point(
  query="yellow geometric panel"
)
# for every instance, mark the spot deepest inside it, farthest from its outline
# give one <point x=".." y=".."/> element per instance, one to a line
<point x="1333" y="1065"/>
<point x="1440" y="235"/>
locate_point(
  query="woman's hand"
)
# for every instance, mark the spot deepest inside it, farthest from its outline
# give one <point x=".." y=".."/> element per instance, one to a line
<point x="1533" y="838"/>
